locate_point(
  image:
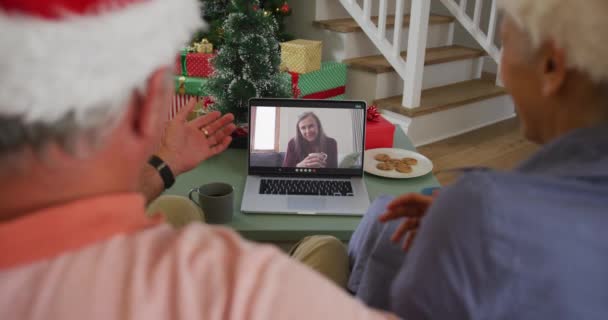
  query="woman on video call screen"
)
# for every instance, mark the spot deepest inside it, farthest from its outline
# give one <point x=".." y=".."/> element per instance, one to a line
<point x="311" y="148"/>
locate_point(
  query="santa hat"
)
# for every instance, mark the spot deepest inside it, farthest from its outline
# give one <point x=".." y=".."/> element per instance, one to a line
<point x="72" y="56"/>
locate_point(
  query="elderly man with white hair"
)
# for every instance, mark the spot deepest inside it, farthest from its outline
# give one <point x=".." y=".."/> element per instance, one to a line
<point x="84" y="91"/>
<point x="525" y="244"/>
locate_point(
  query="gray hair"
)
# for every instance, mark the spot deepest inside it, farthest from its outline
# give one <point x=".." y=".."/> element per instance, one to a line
<point x="67" y="132"/>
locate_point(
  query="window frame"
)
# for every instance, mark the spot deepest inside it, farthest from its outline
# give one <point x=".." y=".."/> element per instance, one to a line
<point x="277" y="131"/>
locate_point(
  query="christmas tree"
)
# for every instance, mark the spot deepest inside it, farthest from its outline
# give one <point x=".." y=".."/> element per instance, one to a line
<point x="247" y="65"/>
<point x="215" y="12"/>
<point x="280" y="10"/>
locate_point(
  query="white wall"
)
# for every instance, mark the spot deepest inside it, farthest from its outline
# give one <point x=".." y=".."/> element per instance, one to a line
<point x="337" y="124"/>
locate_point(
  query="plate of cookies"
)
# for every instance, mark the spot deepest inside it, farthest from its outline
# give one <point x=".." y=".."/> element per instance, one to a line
<point x="396" y="163"/>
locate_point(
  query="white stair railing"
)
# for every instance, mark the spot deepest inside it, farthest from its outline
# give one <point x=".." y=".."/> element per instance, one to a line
<point x="410" y="69"/>
<point x="473" y="26"/>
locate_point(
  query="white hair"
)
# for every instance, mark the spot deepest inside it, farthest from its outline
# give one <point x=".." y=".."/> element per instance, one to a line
<point x="578" y="27"/>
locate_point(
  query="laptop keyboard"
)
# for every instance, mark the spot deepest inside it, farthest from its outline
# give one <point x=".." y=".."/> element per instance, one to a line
<point x="338" y="188"/>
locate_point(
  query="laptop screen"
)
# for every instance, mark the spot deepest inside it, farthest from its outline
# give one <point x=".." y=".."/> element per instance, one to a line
<point x="298" y="137"/>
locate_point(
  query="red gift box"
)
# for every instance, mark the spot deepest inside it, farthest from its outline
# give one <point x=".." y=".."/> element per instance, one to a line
<point x="194" y="64"/>
<point x="379" y="134"/>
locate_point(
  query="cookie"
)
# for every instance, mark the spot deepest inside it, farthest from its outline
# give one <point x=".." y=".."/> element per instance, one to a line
<point x="410" y="161"/>
<point x="382" y="157"/>
<point x="394" y="162"/>
<point x="403" y="168"/>
<point x="385" y="166"/>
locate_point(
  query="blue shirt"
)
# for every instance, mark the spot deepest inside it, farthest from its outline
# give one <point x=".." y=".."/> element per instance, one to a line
<point x="526" y="244"/>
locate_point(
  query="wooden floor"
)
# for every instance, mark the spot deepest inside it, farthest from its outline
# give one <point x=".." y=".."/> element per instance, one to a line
<point x="499" y="146"/>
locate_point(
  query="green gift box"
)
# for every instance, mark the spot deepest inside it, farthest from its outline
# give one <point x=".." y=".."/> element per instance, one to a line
<point x="187" y="88"/>
<point x="190" y="86"/>
<point x="327" y="83"/>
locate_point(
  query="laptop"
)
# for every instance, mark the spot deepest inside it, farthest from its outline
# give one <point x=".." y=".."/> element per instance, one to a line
<point x="306" y="157"/>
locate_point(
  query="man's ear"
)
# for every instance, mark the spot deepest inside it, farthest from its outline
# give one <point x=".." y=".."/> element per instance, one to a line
<point x="147" y="106"/>
<point x="554" y="69"/>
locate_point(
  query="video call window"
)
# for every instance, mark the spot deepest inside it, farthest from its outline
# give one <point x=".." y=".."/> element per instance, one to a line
<point x="306" y="137"/>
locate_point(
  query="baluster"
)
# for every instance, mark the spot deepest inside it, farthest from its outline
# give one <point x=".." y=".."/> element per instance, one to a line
<point x="477" y="14"/>
<point x="498" y="73"/>
<point x="382" y="20"/>
<point x="367" y="9"/>
<point x="398" y="28"/>
<point x="463" y="6"/>
<point x="416" y="50"/>
<point x="492" y="25"/>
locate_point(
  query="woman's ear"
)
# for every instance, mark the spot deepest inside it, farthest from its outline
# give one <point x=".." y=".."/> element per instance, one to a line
<point x="554" y="69"/>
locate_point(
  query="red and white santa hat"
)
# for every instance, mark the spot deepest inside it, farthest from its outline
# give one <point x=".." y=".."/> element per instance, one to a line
<point x="63" y="56"/>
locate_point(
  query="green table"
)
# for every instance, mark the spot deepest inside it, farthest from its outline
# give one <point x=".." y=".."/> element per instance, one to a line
<point x="231" y="167"/>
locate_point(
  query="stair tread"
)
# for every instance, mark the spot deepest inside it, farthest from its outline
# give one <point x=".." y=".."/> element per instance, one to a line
<point x="379" y="64"/>
<point x="445" y="97"/>
<point x="348" y="25"/>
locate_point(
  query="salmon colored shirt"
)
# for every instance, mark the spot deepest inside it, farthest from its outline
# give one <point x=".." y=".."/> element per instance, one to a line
<point x="101" y="258"/>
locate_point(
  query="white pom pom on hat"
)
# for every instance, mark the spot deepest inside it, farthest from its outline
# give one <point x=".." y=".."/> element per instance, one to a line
<point x="63" y="56"/>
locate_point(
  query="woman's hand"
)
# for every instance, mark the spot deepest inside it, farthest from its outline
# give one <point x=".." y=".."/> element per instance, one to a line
<point x="312" y="161"/>
<point x="412" y="207"/>
<point x="186" y="144"/>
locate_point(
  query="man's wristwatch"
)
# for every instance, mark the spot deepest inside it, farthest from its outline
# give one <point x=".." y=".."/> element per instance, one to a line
<point x="163" y="170"/>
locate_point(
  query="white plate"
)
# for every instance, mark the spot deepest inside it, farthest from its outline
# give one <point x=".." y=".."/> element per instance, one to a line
<point x="423" y="167"/>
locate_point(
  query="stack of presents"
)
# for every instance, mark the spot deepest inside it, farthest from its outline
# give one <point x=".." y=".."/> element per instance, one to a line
<point x="301" y="63"/>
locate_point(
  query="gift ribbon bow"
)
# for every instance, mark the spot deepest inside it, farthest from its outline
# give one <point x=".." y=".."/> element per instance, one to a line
<point x="373" y="114"/>
<point x="241" y="131"/>
<point x="204" y="46"/>
<point x="182" y="86"/>
<point x="207" y="102"/>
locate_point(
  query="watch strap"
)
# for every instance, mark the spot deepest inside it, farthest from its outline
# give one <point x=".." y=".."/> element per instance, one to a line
<point x="163" y="170"/>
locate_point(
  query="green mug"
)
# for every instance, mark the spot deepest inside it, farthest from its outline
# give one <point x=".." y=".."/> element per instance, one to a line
<point x="217" y="201"/>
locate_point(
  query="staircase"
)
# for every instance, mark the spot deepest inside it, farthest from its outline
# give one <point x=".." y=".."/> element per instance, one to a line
<point x="402" y="58"/>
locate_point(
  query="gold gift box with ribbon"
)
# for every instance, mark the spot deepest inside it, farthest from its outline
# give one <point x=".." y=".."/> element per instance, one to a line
<point x="204" y="46"/>
<point x="200" y="47"/>
<point x="301" y="56"/>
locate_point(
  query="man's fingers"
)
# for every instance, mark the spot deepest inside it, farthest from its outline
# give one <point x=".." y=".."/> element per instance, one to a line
<point x="400" y="212"/>
<point x="389" y="215"/>
<point x="220" y="147"/>
<point x="409" y="240"/>
<point x="227" y="129"/>
<point x="399" y="232"/>
<point x="219" y="135"/>
<point x="185" y="111"/>
<point x="410" y="199"/>
<point x="408" y="225"/>
<point x="204" y="121"/>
